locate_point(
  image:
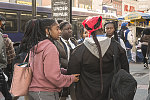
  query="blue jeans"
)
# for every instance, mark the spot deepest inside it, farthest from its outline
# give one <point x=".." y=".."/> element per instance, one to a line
<point x="129" y="55"/>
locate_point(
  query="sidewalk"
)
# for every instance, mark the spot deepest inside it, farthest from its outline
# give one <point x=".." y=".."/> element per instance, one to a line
<point x="139" y="73"/>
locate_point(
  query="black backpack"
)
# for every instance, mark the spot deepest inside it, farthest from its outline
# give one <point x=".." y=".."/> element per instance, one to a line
<point x="123" y="86"/>
<point x="121" y="34"/>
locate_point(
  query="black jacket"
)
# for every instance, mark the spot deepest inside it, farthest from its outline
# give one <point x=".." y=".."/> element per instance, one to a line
<point x="82" y="61"/>
<point x="62" y="49"/>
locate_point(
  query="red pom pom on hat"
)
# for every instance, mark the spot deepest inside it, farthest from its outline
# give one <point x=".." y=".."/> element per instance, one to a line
<point x="92" y="24"/>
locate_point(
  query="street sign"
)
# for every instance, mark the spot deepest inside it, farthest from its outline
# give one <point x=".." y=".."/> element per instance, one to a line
<point x="61" y="10"/>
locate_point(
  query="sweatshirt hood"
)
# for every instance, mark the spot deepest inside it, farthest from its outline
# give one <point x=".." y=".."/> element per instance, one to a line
<point x="41" y="45"/>
<point x="104" y="44"/>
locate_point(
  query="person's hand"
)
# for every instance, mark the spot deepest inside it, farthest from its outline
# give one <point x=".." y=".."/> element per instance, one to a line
<point x="76" y="77"/>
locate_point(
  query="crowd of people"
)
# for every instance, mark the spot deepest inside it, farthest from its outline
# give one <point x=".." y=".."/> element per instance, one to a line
<point x="63" y="66"/>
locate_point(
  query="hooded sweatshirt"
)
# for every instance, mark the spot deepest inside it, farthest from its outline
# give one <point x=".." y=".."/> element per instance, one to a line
<point x="46" y="69"/>
<point x="105" y="45"/>
<point x="84" y="60"/>
<point x="104" y="42"/>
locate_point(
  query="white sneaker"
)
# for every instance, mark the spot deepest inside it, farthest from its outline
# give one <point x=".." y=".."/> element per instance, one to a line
<point x="146" y="66"/>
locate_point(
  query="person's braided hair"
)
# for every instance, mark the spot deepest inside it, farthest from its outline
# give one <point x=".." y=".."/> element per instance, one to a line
<point x="100" y="56"/>
<point x="34" y="33"/>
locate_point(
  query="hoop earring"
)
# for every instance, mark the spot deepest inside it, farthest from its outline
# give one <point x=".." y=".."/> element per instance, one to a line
<point x="47" y="35"/>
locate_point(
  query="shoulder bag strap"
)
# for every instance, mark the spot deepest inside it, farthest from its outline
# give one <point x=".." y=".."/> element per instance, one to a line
<point x="26" y="58"/>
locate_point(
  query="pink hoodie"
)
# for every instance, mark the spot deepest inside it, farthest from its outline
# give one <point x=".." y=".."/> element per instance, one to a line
<point x="46" y="69"/>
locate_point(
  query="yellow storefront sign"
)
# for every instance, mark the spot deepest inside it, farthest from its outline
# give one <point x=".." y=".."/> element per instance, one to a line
<point x="26" y="3"/>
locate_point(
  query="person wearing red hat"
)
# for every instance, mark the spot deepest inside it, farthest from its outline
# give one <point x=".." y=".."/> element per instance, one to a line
<point x="93" y="59"/>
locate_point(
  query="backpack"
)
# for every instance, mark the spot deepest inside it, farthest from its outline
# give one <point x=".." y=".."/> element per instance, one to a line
<point x="123" y="85"/>
<point x="3" y="57"/>
<point x="121" y="34"/>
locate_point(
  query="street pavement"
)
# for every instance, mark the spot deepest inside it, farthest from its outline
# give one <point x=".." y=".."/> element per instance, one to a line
<point x="140" y="73"/>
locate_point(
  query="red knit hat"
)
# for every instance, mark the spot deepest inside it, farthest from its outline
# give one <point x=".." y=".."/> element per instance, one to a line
<point x="92" y="24"/>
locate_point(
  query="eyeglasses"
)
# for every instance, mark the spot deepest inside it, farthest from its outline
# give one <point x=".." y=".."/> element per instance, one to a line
<point x="107" y="28"/>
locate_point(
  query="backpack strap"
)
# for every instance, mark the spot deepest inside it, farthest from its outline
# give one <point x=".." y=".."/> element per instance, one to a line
<point x="126" y="35"/>
<point x="119" y="39"/>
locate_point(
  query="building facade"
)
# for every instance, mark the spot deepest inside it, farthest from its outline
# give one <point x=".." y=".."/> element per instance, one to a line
<point x="26" y="2"/>
<point x="143" y="5"/>
<point x="113" y="5"/>
<point x="46" y="3"/>
<point x="120" y="7"/>
<point x="129" y="6"/>
<point x="97" y="5"/>
<point x="86" y="4"/>
<point x="4" y="0"/>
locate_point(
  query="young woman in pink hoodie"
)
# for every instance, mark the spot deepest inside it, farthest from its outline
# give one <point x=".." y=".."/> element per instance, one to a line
<point x="47" y="79"/>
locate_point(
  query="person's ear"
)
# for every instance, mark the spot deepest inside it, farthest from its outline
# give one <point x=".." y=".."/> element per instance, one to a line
<point x="47" y="31"/>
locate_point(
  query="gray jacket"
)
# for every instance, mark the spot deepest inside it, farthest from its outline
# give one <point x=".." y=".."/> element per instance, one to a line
<point x="3" y="57"/>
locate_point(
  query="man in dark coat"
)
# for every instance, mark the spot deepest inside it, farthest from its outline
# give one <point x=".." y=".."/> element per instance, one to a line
<point x="62" y="45"/>
<point x="65" y="46"/>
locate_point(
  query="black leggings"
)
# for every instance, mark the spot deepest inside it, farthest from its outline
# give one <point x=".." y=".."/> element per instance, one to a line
<point x="4" y="87"/>
<point x="144" y="51"/>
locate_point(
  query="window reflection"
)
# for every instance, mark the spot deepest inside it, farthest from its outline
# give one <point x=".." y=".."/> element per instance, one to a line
<point x="26" y="16"/>
<point x="11" y="20"/>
